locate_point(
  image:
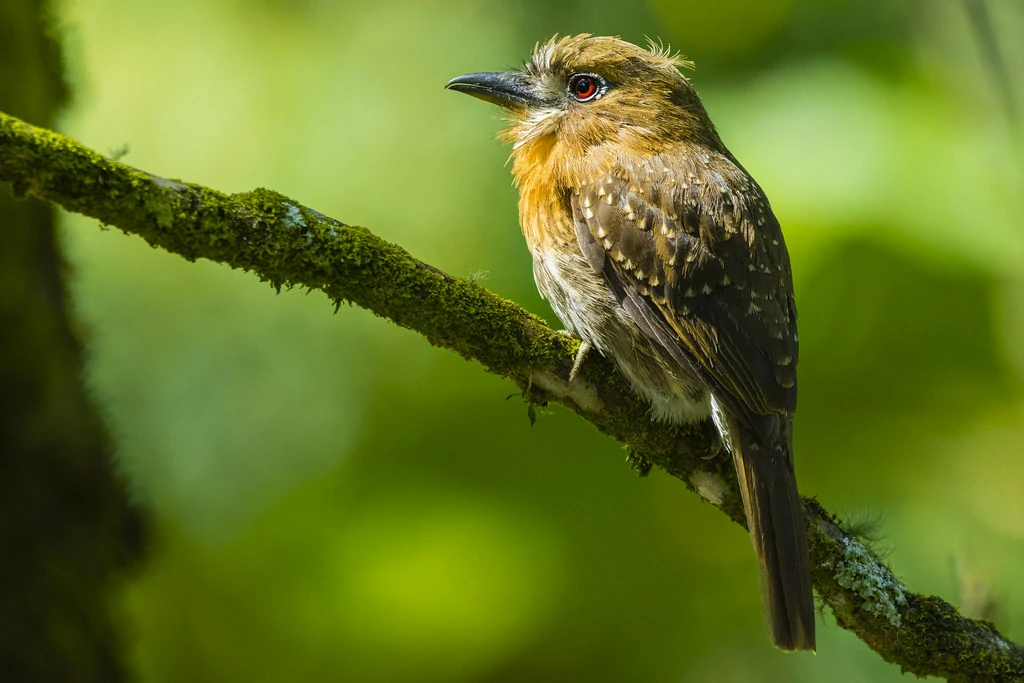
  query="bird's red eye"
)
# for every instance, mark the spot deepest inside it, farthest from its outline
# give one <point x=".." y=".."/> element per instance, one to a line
<point x="583" y="87"/>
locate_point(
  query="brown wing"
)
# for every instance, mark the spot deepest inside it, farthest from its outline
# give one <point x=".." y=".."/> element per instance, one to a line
<point x="690" y="245"/>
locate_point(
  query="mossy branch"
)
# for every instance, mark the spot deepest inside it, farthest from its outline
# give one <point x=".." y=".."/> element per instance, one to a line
<point x="289" y="245"/>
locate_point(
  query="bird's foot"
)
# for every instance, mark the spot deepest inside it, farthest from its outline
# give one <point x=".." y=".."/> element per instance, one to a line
<point x="584" y="349"/>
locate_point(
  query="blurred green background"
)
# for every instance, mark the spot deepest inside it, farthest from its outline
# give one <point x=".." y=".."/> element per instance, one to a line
<point x="335" y="500"/>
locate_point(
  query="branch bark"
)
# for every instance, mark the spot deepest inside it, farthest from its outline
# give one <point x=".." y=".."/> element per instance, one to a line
<point x="289" y="245"/>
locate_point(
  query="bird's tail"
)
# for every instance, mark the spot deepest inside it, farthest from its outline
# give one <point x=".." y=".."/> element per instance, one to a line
<point x="776" y="522"/>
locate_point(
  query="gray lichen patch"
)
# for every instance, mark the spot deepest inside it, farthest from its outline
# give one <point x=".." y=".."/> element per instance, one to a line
<point x="711" y="486"/>
<point x="293" y="217"/>
<point x="860" y="572"/>
<point x="578" y="391"/>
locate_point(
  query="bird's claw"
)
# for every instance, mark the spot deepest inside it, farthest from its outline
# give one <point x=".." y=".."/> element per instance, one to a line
<point x="585" y="347"/>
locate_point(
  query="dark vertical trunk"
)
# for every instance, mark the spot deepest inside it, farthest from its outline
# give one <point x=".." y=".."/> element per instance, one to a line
<point x="66" y="529"/>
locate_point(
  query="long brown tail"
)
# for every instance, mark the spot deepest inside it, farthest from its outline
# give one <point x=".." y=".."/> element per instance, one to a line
<point x="776" y="522"/>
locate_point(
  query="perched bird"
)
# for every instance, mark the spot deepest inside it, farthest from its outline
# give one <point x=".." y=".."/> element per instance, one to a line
<point x="654" y="245"/>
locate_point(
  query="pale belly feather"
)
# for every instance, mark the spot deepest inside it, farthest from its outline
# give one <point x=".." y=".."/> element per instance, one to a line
<point x="587" y="308"/>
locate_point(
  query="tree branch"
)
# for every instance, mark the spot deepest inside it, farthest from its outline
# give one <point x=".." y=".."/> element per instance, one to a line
<point x="289" y="245"/>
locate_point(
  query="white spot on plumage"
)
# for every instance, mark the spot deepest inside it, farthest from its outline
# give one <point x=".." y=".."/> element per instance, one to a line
<point x="588" y="213"/>
<point x="608" y="244"/>
<point x="689" y="292"/>
<point x="726" y="281"/>
<point x="706" y="289"/>
<point x="601" y="232"/>
<point x="672" y="261"/>
<point x="754" y="308"/>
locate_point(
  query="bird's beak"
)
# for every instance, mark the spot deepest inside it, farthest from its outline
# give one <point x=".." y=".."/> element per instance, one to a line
<point x="505" y="88"/>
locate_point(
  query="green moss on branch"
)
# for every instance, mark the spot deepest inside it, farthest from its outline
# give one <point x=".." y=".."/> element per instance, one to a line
<point x="289" y="245"/>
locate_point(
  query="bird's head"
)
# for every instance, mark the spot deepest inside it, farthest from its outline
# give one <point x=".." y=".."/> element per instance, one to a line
<point x="582" y="97"/>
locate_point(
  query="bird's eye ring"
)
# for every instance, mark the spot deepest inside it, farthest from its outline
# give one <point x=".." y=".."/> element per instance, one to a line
<point x="585" y="87"/>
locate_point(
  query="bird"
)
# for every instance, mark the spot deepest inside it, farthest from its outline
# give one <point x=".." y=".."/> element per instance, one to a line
<point x="655" y="246"/>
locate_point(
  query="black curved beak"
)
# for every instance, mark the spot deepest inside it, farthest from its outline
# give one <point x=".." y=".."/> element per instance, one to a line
<point x="504" y="88"/>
